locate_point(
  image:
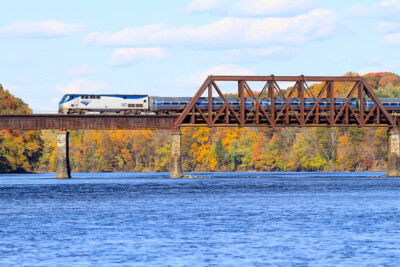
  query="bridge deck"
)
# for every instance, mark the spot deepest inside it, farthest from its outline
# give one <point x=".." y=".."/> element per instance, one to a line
<point x="85" y="122"/>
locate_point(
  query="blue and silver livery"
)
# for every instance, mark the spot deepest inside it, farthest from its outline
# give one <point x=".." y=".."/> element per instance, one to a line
<point x="136" y="104"/>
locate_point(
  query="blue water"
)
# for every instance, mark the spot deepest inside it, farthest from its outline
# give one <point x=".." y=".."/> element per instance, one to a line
<point x="223" y="219"/>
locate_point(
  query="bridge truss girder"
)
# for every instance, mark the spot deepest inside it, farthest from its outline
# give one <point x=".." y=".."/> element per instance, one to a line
<point x="291" y="114"/>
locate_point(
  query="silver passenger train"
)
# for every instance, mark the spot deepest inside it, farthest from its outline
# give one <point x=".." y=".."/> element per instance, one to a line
<point x="137" y="104"/>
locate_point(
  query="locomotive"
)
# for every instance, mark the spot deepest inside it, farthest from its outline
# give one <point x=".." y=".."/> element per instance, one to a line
<point x="143" y="104"/>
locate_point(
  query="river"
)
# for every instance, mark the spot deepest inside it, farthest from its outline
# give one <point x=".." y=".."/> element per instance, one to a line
<point x="220" y="219"/>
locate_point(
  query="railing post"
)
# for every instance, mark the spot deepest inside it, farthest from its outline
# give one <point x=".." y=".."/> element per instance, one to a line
<point x="393" y="167"/>
<point x="242" y="103"/>
<point x="300" y="94"/>
<point x="63" y="169"/>
<point x="271" y="95"/>
<point x="176" y="166"/>
<point x="331" y="95"/>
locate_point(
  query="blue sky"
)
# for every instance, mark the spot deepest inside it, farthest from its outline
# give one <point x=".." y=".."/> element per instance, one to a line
<point x="167" y="48"/>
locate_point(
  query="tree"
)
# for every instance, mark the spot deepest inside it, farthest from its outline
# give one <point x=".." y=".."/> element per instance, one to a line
<point x="220" y="153"/>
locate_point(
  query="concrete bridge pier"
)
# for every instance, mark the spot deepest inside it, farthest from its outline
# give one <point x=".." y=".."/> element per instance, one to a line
<point x="63" y="169"/>
<point x="176" y="166"/>
<point x="393" y="168"/>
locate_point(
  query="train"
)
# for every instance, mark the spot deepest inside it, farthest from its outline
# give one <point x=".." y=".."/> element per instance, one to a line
<point x="144" y="104"/>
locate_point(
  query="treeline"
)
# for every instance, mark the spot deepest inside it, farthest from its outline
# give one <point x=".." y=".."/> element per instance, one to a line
<point x="205" y="149"/>
<point x="239" y="149"/>
<point x="20" y="151"/>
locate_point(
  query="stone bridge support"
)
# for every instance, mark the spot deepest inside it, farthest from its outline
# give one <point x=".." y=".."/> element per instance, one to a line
<point x="63" y="168"/>
<point x="176" y="166"/>
<point x="393" y="168"/>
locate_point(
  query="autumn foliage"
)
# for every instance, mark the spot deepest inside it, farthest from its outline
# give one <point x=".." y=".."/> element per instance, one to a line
<point x="206" y="149"/>
<point x="19" y="150"/>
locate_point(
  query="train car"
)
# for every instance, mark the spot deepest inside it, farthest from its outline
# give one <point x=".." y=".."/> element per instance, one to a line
<point x="295" y="103"/>
<point x="390" y="104"/>
<point x="135" y="104"/>
<point x="168" y="104"/>
<point x="84" y="103"/>
<point x="178" y="104"/>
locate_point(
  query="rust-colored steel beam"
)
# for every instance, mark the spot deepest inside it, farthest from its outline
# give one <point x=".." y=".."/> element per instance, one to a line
<point x="331" y="96"/>
<point x="371" y="94"/>
<point x="86" y="122"/>
<point x="292" y="110"/>
<point x="286" y="78"/>
<point x="242" y="103"/>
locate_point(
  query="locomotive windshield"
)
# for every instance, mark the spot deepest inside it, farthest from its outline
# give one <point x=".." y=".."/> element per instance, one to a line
<point x="63" y="99"/>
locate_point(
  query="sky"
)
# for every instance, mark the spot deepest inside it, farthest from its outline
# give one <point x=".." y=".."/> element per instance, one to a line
<point x="168" y="48"/>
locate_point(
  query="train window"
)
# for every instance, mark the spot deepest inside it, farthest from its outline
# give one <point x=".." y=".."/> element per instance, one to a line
<point x="98" y="97"/>
<point x="183" y="103"/>
<point x="393" y="104"/>
<point x="139" y="105"/>
<point x="125" y="97"/>
<point x="72" y="97"/>
<point x="131" y="105"/>
<point x="175" y="103"/>
<point x="219" y="103"/>
<point x="167" y="103"/>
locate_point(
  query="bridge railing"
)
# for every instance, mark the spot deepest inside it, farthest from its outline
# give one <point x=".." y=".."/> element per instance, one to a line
<point x="296" y="109"/>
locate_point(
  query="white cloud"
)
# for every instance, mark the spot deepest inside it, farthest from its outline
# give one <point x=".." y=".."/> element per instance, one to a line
<point x="82" y="86"/>
<point x="272" y="7"/>
<point x="227" y="32"/>
<point x="197" y="6"/>
<point x="256" y="54"/>
<point x="126" y="56"/>
<point x="197" y="78"/>
<point x="40" y="29"/>
<point x="386" y="9"/>
<point x="251" y="7"/>
<point x="83" y="70"/>
<point x="392" y="39"/>
<point x="388" y="27"/>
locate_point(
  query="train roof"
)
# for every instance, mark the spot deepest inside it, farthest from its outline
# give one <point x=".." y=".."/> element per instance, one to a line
<point x="106" y="95"/>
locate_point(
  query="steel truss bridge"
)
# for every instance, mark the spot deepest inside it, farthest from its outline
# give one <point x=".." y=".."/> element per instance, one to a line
<point x="287" y="115"/>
